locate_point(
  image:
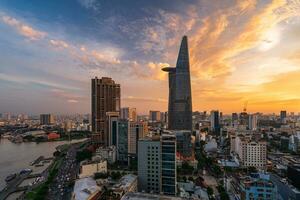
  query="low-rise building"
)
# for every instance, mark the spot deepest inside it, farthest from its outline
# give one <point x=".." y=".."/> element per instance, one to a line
<point x="258" y="186"/>
<point x="147" y="196"/>
<point x="107" y="153"/>
<point x="86" y="189"/>
<point x="127" y="183"/>
<point x="89" y="168"/>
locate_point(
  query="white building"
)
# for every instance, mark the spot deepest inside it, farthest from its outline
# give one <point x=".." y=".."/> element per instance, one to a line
<point x="86" y="188"/>
<point x="89" y="168"/>
<point x="107" y="153"/>
<point x="251" y="153"/>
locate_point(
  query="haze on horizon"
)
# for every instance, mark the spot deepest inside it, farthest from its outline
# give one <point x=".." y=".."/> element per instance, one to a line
<point x="240" y="50"/>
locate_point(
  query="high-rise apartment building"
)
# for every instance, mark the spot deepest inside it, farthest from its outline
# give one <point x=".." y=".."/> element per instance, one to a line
<point x="157" y="164"/>
<point x="129" y="114"/>
<point x="215" y="121"/>
<point x="154" y="116"/>
<point x="180" y="95"/>
<point x="47" y="119"/>
<point x="253" y="122"/>
<point x="105" y="98"/>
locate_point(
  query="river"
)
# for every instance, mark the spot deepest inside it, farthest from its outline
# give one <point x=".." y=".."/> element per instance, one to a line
<point x="14" y="157"/>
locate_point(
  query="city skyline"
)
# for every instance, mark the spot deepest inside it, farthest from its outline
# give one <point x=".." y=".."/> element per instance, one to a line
<point x="239" y="51"/>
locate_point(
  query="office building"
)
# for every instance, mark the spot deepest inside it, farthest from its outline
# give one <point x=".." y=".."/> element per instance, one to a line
<point x="149" y="165"/>
<point x="157" y="164"/>
<point x="112" y="126"/>
<point x="137" y="130"/>
<point x="129" y="114"/>
<point x="105" y="98"/>
<point x="253" y="122"/>
<point x="184" y="143"/>
<point x="154" y="116"/>
<point x="180" y="96"/>
<point x="257" y="187"/>
<point x="283" y="116"/>
<point x="168" y="164"/>
<point x="47" y="119"/>
<point x="122" y="141"/>
<point x="215" y="121"/>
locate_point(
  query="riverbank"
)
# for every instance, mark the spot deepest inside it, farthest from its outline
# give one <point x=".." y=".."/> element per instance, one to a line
<point x="15" y="157"/>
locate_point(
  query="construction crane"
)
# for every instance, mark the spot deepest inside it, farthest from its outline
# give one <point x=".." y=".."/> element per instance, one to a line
<point x="245" y="106"/>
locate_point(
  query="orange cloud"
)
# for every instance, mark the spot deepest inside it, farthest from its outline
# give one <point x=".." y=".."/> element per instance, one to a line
<point x="23" y="29"/>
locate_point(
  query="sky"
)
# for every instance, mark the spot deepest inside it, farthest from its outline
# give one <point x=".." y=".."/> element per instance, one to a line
<point x="240" y="51"/>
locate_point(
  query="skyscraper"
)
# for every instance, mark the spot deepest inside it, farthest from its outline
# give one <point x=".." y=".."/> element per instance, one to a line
<point x="105" y="98"/>
<point x="180" y="98"/>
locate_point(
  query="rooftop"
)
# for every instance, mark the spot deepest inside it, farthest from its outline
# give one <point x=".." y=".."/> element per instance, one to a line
<point x="84" y="188"/>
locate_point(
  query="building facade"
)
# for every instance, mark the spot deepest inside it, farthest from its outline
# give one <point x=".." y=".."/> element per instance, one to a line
<point x="112" y="126"/>
<point x="137" y="130"/>
<point x="215" y="121"/>
<point x="168" y="164"/>
<point x="129" y="114"/>
<point x="251" y="153"/>
<point x="105" y="98"/>
<point x="122" y="141"/>
<point x="157" y="164"/>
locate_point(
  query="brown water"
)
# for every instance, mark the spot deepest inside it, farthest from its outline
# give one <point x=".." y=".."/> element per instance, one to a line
<point x="15" y="157"/>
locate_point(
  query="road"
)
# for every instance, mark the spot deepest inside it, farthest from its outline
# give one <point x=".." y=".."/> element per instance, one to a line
<point x="60" y="188"/>
<point x="284" y="190"/>
<point x="12" y="186"/>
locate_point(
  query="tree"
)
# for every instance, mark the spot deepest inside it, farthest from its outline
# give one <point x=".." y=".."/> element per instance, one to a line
<point x="83" y="155"/>
<point x="100" y="175"/>
<point x="209" y="191"/>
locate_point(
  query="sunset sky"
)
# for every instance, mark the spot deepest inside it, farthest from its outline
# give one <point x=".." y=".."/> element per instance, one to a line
<point x="240" y="50"/>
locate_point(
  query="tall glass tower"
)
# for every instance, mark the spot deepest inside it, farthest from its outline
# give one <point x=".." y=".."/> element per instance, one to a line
<point x="180" y="95"/>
